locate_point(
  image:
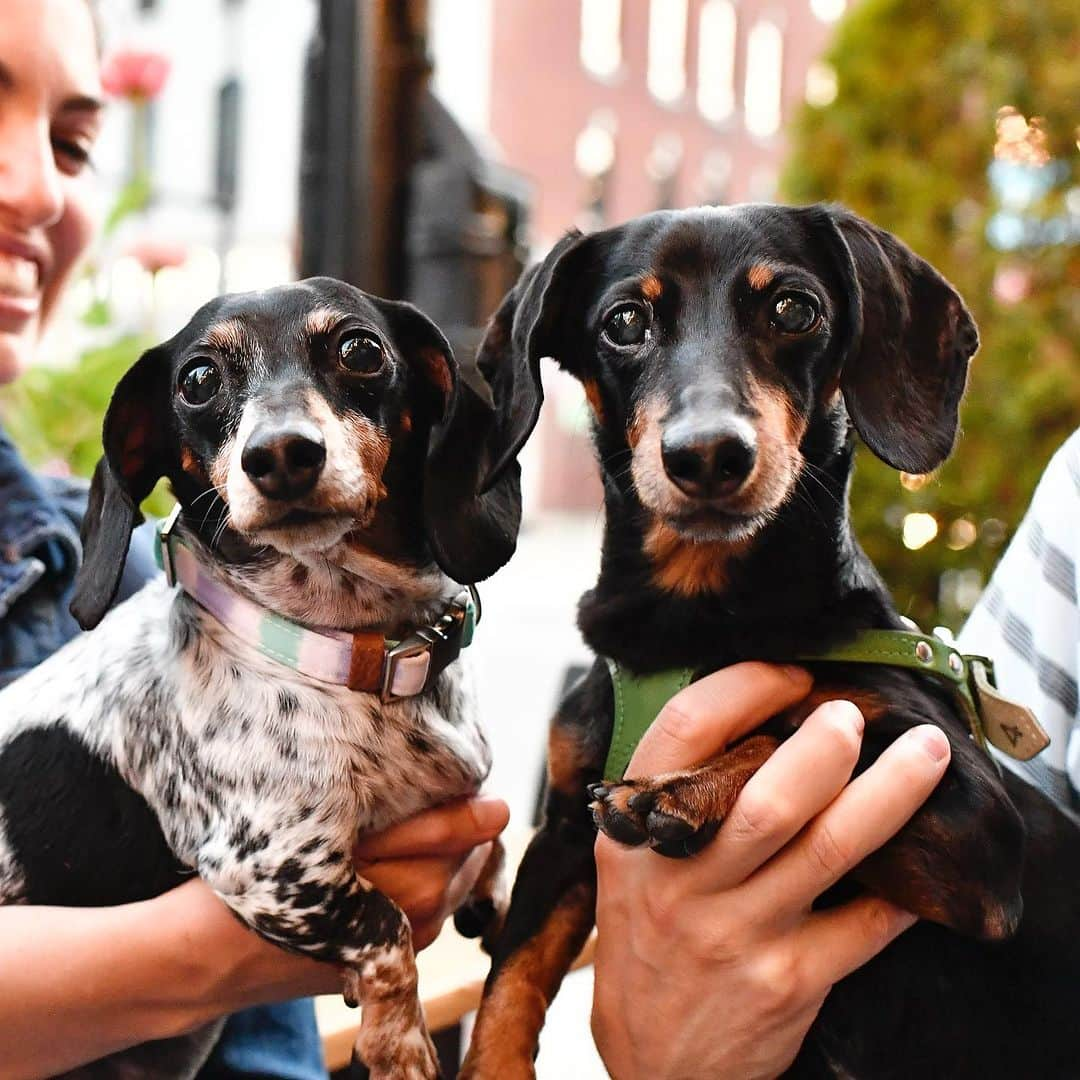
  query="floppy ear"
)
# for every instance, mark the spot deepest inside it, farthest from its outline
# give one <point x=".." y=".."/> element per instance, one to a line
<point x="909" y="341"/>
<point x="471" y="533"/>
<point x="524" y="330"/>
<point x="472" y="483"/>
<point x="135" y="434"/>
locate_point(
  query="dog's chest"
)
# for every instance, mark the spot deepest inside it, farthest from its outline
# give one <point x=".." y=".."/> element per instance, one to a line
<point x="209" y="731"/>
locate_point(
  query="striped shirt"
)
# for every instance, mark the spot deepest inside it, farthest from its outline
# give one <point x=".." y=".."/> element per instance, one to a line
<point x="1027" y="621"/>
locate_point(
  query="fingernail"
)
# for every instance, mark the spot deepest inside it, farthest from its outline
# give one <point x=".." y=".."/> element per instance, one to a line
<point x="847" y="712"/>
<point x="796" y="673"/>
<point x="489" y="812"/>
<point x="932" y="741"/>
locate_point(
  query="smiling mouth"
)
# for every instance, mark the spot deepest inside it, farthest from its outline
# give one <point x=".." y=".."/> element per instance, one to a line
<point x="19" y="277"/>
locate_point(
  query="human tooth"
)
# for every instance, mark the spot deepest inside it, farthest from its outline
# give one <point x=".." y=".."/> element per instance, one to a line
<point x="18" y="276"/>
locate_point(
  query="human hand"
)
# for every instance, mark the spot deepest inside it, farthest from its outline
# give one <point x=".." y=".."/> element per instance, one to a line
<point x="724" y="947"/>
<point x="426" y="864"/>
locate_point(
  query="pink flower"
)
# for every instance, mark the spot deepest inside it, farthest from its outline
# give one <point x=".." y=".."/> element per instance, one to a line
<point x="154" y="255"/>
<point x="139" y="76"/>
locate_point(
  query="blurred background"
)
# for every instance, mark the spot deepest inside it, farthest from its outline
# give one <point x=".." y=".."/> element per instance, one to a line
<point x="430" y="148"/>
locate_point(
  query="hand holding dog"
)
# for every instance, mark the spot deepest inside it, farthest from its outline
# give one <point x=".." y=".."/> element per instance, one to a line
<point x="427" y="864"/>
<point x="181" y="959"/>
<point x="724" y="947"/>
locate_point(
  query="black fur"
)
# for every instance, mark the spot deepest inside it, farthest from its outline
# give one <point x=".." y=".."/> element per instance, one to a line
<point x="81" y="835"/>
<point x="888" y="358"/>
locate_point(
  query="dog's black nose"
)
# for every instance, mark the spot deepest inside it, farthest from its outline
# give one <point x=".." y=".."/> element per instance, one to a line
<point x="284" y="462"/>
<point x="708" y="464"/>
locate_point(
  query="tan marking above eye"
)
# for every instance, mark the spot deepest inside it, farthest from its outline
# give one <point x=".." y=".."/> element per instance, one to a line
<point x="227" y="336"/>
<point x="760" y="276"/>
<point x="322" y="320"/>
<point x="651" y="287"/>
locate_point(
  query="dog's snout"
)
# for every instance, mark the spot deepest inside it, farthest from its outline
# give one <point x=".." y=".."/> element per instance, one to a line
<point x="709" y="464"/>
<point x="284" y="462"/>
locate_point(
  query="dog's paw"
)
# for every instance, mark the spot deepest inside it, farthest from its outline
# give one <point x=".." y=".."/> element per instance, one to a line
<point x="476" y="1068"/>
<point x="677" y="814"/>
<point x="613" y="816"/>
<point x="666" y="814"/>
<point x="482" y="917"/>
<point x="411" y="1057"/>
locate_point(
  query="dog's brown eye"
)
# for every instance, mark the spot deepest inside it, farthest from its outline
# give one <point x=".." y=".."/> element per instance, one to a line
<point x="794" y="313"/>
<point x="199" y="382"/>
<point x="627" y="325"/>
<point x="360" y="353"/>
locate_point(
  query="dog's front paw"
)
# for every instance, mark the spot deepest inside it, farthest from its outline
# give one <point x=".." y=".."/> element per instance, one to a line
<point x="679" y="813"/>
<point x="659" y="813"/>
<point x="477" y="1067"/>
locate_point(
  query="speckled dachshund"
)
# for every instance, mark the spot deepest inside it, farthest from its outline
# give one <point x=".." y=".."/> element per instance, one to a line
<point x="728" y="356"/>
<point x="325" y="453"/>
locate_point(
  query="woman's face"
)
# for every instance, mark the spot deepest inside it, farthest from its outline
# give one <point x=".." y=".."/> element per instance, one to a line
<point x="50" y="111"/>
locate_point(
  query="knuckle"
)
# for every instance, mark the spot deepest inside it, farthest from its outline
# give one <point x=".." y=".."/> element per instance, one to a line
<point x="661" y="910"/>
<point x="825" y="851"/>
<point x="778" y="980"/>
<point x="676" y="725"/>
<point x="878" y="924"/>
<point x="761" y="815"/>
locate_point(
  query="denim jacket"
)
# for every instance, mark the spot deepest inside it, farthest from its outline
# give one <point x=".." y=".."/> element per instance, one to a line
<point x="39" y="555"/>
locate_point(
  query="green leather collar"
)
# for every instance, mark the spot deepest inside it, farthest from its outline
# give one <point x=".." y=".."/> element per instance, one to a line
<point x="992" y="718"/>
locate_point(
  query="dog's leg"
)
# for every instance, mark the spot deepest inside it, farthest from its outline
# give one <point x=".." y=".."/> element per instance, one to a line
<point x="552" y="908"/>
<point x="314" y="903"/>
<point x="678" y="813"/>
<point x="483" y="913"/>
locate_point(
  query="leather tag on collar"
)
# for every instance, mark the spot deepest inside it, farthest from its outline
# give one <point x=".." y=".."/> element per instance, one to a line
<point x="366" y="662"/>
<point x="1009" y="726"/>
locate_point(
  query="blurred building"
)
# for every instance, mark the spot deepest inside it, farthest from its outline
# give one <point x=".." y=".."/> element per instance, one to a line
<point x="617" y="107"/>
<point x="612" y="108"/>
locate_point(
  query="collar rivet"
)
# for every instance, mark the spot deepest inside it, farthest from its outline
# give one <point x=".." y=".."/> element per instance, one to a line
<point x="956" y="665"/>
<point x="923" y="652"/>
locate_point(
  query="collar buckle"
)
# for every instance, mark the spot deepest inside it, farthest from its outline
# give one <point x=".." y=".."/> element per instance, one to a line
<point x="164" y="545"/>
<point x="414" y="663"/>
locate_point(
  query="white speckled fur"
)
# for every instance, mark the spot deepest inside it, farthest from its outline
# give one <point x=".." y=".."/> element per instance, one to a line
<point x="193" y="719"/>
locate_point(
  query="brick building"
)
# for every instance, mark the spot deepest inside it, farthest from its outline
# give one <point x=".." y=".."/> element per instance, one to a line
<point x="612" y="108"/>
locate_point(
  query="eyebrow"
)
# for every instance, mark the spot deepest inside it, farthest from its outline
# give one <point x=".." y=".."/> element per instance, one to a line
<point x="74" y="103"/>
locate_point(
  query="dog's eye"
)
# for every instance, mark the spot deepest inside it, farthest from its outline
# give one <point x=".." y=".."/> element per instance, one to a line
<point x="199" y="382"/>
<point x="360" y="353"/>
<point x="795" y="313"/>
<point x="627" y="325"/>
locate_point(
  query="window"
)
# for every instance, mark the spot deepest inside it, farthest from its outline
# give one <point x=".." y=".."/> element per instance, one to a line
<point x="662" y="165"/>
<point x="601" y="37"/>
<point x="714" y="183"/>
<point x="594" y="159"/>
<point x="716" y="60"/>
<point x="666" y="76"/>
<point x="820" y="84"/>
<point x="828" y="10"/>
<point x="764" y="70"/>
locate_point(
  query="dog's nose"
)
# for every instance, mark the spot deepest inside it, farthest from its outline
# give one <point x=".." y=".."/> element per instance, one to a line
<point x="284" y="462"/>
<point x="709" y="464"/>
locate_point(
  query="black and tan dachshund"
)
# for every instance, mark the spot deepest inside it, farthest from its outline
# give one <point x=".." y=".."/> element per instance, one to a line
<point x="729" y="356"/>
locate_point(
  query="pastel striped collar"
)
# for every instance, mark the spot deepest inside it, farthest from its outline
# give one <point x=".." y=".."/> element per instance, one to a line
<point x="365" y="661"/>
